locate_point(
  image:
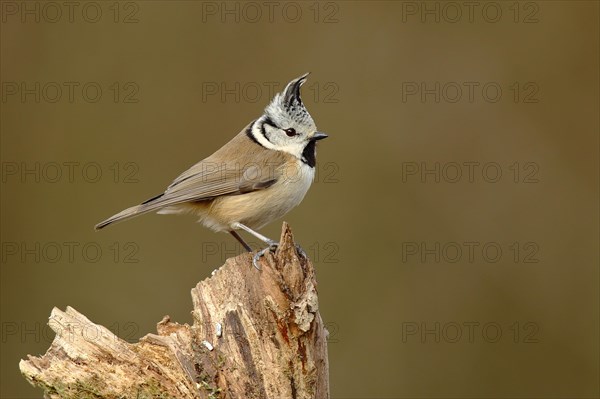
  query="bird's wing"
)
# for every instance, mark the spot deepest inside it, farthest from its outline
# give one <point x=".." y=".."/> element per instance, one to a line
<point x="207" y="180"/>
<point x="201" y="183"/>
<point x="239" y="167"/>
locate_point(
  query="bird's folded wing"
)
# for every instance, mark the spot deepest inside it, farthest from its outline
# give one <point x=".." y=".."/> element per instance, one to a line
<point x="207" y="181"/>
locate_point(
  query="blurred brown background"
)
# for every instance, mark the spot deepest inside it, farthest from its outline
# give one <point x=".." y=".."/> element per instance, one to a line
<point x="434" y="282"/>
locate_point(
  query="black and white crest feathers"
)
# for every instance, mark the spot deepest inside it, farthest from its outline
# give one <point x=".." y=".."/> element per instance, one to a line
<point x="288" y="105"/>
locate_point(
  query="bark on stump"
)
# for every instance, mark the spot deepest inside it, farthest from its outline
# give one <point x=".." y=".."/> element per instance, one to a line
<point x="256" y="334"/>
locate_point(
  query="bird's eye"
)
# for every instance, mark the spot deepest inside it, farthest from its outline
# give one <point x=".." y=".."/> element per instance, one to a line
<point x="291" y="132"/>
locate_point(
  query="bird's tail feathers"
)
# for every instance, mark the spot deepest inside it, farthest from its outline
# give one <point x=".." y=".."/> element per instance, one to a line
<point x="148" y="206"/>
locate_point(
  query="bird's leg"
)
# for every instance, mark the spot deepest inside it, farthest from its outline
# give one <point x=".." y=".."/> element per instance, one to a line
<point x="254" y="233"/>
<point x="241" y="240"/>
<point x="272" y="244"/>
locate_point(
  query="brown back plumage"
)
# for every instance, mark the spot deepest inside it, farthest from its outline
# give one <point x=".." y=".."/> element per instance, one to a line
<point x="240" y="166"/>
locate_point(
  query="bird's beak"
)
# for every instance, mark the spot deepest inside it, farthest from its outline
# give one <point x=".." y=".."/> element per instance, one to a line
<point x="319" y="136"/>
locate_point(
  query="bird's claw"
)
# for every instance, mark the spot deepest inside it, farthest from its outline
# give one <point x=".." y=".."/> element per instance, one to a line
<point x="300" y="251"/>
<point x="272" y="247"/>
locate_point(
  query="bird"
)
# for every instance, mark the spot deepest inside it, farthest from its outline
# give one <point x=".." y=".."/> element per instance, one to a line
<point x="257" y="177"/>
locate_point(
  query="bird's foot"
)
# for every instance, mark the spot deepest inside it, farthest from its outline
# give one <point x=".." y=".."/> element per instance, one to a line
<point x="271" y="248"/>
<point x="300" y="251"/>
<point x="256" y="258"/>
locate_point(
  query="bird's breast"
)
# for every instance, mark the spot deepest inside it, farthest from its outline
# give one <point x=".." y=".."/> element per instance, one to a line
<point x="261" y="207"/>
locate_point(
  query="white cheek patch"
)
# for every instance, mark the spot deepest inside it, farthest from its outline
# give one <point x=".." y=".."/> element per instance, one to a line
<point x="294" y="149"/>
<point x="258" y="135"/>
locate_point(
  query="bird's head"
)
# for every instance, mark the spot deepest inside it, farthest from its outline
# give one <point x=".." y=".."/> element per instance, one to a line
<point x="286" y="124"/>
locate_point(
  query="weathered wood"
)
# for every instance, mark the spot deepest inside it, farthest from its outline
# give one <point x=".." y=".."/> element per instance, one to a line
<point x="256" y="334"/>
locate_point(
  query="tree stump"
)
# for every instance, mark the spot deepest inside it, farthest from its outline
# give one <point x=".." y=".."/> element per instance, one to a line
<point x="255" y="334"/>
